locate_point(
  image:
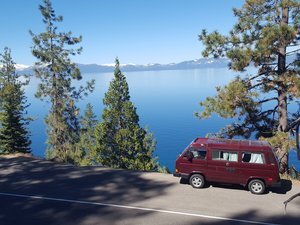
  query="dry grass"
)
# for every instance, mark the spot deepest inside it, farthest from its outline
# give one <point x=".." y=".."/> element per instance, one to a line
<point x="15" y="155"/>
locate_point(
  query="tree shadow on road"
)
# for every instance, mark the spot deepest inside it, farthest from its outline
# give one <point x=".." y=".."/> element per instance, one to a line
<point x="27" y="176"/>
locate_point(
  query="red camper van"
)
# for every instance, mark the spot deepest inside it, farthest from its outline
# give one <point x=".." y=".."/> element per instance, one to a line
<point x="249" y="163"/>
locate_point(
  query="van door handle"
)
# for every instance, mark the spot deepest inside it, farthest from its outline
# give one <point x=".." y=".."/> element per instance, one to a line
<point x="227" y="164"/>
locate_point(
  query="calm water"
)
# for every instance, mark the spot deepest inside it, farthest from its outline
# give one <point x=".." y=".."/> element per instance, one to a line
<point x="166" y="102"/>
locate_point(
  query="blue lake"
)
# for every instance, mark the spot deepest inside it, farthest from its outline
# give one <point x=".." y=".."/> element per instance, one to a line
<point x="166" y="102"/>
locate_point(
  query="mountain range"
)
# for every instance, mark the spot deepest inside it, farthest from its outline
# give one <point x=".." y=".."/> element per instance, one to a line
<point x="191" y="64"/>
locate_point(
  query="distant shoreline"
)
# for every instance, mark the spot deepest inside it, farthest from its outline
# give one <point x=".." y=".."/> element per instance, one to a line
<point x="203" y="63"/>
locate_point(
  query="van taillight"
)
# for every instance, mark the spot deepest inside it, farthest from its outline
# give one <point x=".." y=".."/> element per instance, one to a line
<point x="176" y="170"/>
<point x="270" y="179"/>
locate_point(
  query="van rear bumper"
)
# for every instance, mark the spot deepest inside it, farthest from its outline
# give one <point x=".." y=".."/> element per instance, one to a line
<point x="182" y="175"/>
<point x="277" y="184"/>
<point x="176" y="174"/>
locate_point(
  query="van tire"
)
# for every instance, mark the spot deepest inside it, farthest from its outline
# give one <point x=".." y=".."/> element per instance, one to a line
<point x="197" y="181"/>
<point x="257" y="187"/>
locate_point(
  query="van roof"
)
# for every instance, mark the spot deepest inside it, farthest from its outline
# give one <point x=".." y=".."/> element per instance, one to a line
<point x="232" y="142"/>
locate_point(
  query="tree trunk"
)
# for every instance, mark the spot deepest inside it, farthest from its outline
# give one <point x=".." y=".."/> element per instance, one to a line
<point x="282" y="93"/>
<point x="282" y="90"/>
<point x="283" y="157"/>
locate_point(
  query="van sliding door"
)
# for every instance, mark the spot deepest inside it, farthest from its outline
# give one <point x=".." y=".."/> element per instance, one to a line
<point x="223" y="166"/>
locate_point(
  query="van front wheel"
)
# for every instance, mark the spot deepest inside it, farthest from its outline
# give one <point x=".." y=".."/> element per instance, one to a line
<point x="257" y="186"/>
<point x="197" y="181"/>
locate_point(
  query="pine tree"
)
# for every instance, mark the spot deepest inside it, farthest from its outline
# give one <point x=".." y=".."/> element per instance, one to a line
<point x="14" y="135"/>
<point x="56" y="72"/>
<point x="121" y="142"/>
<point x="265" y="30"/>
<point x="86" y="146"/>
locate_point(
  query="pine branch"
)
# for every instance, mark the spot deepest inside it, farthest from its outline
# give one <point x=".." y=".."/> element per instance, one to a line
<point x="290" y="199"/>
<point x="292" y="63"/>
<point x="292" y="124"/>
<point x="258" y="75"/>
<point x="266" y="113"/>
<point x="268" y="64"/>
<point x="275" y="109"/>
<point x="256" y="85"/>
<point x="291" y="52"/>
<point x="267" y="100"/>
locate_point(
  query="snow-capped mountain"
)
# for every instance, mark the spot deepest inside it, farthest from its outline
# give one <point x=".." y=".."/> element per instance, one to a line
<point x="20" y="67"/>
<point x="191" y="64"/>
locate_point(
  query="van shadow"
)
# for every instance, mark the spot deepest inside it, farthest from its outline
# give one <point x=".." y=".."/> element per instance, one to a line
<point x="285" y="187"/>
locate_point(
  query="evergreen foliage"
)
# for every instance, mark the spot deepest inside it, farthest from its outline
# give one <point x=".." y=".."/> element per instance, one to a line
<point x="14" y="135"/>
<point x="121" y="142"/>
<point x="86" y="146"/>
<point x="56" y="72"/>
<point x="261" y="37"/>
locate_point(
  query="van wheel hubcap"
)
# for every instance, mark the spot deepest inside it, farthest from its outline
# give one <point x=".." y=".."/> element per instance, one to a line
<point x="197" y="181"/>
<point x="257" y="187"/>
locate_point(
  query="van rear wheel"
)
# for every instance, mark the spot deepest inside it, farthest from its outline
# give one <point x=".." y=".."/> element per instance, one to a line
<point x="257" y="186"/>
<point x="197" y="181"/>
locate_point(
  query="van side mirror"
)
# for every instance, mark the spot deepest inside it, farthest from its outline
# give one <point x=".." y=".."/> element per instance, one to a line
<point x="190" y="156"/>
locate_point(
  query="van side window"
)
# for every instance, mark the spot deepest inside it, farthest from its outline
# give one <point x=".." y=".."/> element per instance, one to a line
<point x="199" y="153"/>
<point x="250" y="157"/>
<point x="224" y="155"/>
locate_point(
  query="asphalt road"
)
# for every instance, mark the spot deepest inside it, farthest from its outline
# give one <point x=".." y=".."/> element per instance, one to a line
<point x="34" y="191"/>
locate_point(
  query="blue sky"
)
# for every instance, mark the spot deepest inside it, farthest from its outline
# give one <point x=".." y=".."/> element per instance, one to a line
<point x="137" y="31"/>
